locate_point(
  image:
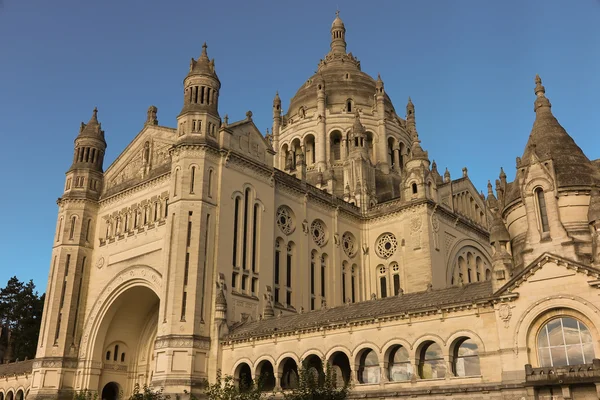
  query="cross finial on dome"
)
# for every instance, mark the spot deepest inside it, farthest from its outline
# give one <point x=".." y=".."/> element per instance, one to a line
<point x="95" y="114"/>
<point x="540" y="90"/>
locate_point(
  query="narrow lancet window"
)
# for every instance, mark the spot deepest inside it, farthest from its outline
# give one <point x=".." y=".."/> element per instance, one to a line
<point x="541" y="200"/>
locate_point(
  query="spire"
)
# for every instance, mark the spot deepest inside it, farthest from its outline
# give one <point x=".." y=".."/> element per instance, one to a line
<point x="277" y="101"/>
<point x="549" y="140"/>
<point x="203" y="65"/>
<point x="338" y="35"/>
<point x="93" y="128"/>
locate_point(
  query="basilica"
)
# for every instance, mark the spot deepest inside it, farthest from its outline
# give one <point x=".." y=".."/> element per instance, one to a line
<point x="208" y="247"/>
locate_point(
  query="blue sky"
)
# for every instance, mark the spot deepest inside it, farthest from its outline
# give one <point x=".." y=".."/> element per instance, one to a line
<point x="468" y="65"/>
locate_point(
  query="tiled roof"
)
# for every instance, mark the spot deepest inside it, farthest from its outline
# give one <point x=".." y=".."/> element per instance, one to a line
<point x="390" y="306"/>
<point x="16" y="368"/>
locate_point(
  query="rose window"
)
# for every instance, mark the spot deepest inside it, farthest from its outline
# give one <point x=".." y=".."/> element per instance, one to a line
<point x="386" y="245"/>
<point x="285" y="220"/>
<point x="349" y="244"/>
<point x="319" y="234"/>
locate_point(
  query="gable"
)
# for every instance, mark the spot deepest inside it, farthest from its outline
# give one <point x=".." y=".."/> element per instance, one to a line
<point x="549" y="274"/>
<point x="145" y="157"/>
<point x="247" y="140"/>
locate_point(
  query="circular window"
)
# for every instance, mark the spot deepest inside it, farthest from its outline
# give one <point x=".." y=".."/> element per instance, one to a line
<point x="386" y="245"/>
<point x="285" y="220"/>
<point x="319" y="233"/>
<point x="349" y="244"/>
<point x="382" y="269"/>
<point x="395" y="267"/>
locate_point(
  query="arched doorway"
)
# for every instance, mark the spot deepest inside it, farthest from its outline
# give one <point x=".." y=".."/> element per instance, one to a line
<point x="125" y="339"/>
<point x="110" y="391"/>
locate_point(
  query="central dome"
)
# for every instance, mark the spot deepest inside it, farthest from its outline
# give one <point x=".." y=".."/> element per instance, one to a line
<point x="341" y="76"/>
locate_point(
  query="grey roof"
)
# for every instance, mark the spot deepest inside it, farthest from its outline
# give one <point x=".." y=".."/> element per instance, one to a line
<point x="548" y="139"/>
<point x="390" y="306"/>
<point x="16" y="368"/>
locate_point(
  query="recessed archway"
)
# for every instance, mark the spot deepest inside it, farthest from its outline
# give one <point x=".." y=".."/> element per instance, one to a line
<point x="125" y="340"/>
<point x="110" y="391"/>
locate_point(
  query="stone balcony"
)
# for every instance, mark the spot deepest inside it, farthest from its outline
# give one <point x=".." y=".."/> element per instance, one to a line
<point x="547" y="376"/>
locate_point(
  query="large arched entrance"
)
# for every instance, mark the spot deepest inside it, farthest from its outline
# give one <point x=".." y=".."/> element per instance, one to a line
<point x="125" y="341"/>
<point x="110" y="391"/>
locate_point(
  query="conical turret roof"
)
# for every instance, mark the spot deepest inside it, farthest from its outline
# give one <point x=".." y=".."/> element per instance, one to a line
<point x="549" y="140"/>
<point x="203" y="65"/>
<point x="93" y="129"/>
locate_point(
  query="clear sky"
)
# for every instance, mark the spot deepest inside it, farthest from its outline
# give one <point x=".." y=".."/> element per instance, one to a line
<point x="468" y="65"/>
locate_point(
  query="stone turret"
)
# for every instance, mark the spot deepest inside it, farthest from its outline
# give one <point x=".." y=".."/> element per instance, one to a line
<point x="594" y="221"/>
<point x="199" y="118"/>
<point x="338" y="35"/>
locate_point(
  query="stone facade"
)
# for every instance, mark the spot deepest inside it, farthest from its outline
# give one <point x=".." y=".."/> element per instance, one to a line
<point x="210" y="247"/>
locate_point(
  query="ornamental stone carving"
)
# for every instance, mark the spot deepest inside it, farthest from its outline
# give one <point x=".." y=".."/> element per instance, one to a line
<point x="285" y="220"/>
<point x="386" y="245"/>
<point x="349" y="244"/>
<point x="319" y="232"/>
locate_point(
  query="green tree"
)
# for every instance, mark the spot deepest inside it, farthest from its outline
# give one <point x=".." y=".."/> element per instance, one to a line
<point x="147" y="393"/>
<point x="226" y="389"/>
<point x="21" y="313"/>
<point x="314" y="385"/>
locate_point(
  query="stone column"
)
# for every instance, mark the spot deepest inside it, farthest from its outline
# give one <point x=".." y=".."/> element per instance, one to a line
<point x="397" y="166"/>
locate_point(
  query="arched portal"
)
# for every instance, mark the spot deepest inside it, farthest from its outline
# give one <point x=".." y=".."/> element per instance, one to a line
<point x="289" y="374"/>
<point x="110" y="391"/>
<point x="125" y="340"/>
<point x="9" y="396"/>
<point x="20" y="395"/>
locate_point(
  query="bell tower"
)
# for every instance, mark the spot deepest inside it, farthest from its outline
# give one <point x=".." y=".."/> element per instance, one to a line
<point x="199" y="118"/>
<point x="62" y="321"/>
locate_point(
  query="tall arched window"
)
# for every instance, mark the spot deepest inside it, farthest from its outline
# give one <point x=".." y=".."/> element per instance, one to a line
<point x="245" y="229"/>
<point x="466" y="358"/>
<point x="414" y="188"/>
<point x="313" y="256"/>
<point x="395" y="270"/>
<point x="399" y="366"/>
<point x="431" y="362"/>
<point x="323" y="274"/>
<point x="368" y="369"/>
<point x="192" y="180"/>
<point x="236" y="215"/>
<point x="255" y="230"/>
<point x="344" y="268"/>
<point x="336" y="146"/>
<point x="72" y="230"/>
<point x="382" y="281"/>
<point x="543" y="213"/>
<point x="353" y="281"/>
<point x="210" y="181"/>
<point x="277" y="271"/>
<point x="290" y="253"/>
<point x="564" y="341"/>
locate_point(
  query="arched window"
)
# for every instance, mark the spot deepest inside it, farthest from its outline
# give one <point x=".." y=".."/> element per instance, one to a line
<point x="349" y="105"/>
<point x="290" y="253"/>
<point x="341" y="367"/>
<point x="236" y="215"/>
<point x="313" y="255"/>
<point x="122" y="357"/>
<point x="116" y="352"/>
<point x="255" y="230"/>
<point x="399" y="366"/>
<point x="336" y="146"/>
<point x="323" y="274"/>
<point x="344" y="268"/>
<point x="414" y="188"/>
<point x="431" y="362"/>
<point x="210" y="181"/>
<point x="72" y="230"/>
<point x="108" y="355"/>
<point x="245" y="229"/>
<point x="488" y="274"/>
<point x="353" y="281"/>
<point x="192" y="180"/>
<point x="368" y="369"/>
<point x="277" y="271"/>
<point x="543" y="213"/>
<point x="390" y="148"/>
<point x="564" y="341"/>
<point x="466" y="358"/>
<point x="175" y="183"/>
<point x="395" y="270"/>
<point x="382" y="282"/>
